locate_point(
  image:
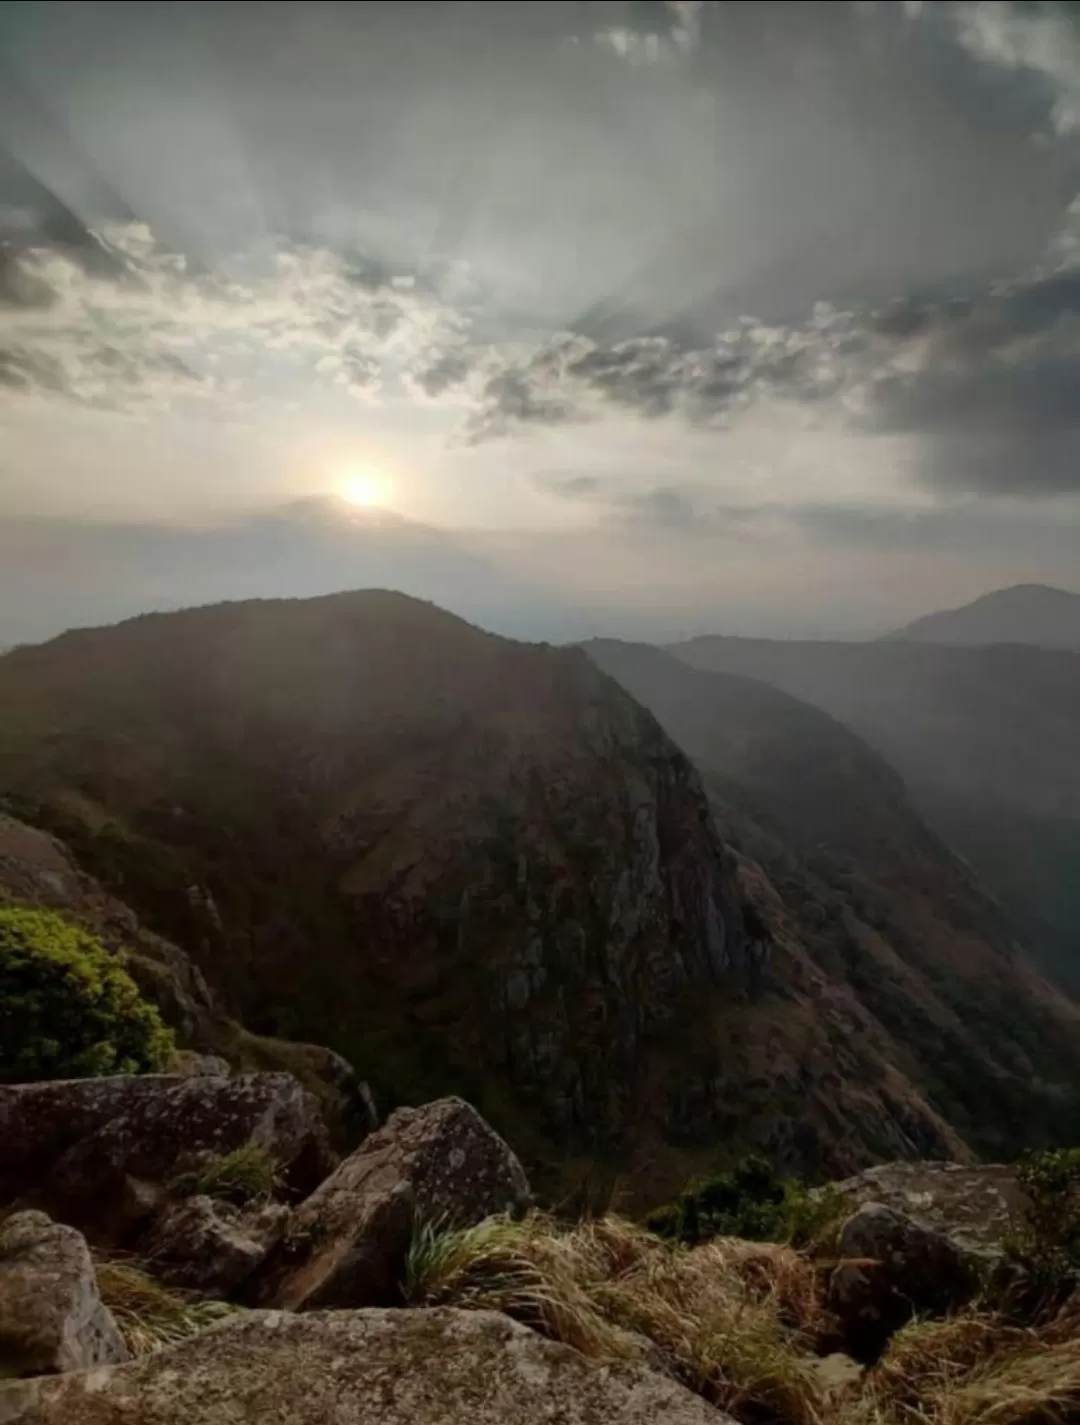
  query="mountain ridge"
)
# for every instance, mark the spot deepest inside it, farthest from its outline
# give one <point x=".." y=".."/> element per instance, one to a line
<point x="1037" y="614"/>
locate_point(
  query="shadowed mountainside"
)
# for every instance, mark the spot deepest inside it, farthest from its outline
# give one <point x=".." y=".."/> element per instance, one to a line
<point x="882" y="906"/>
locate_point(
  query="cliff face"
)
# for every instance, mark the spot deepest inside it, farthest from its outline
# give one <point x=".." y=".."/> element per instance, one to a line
<point x="877" y="907"/>
<point x="462" y="862"/>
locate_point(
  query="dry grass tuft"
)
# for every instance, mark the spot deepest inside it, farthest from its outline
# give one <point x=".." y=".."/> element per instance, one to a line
<point x="1036" y="1385"/>
<point x="719" y="1317"/>
<point x="738" y="1321"/>
<point x="148" y="1314"/>
<point x="972" y="1370"/>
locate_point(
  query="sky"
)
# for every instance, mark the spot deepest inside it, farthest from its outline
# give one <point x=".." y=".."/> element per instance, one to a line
<point x="645" y="319"/>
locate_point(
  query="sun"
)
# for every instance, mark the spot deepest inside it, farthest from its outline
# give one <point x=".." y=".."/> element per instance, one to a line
<point x="366" y="488"/>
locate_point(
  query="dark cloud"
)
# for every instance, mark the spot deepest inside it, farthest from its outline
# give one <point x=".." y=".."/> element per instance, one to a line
<point x="997" y="397"/>
<point x="573" y="487"/>
<point x="673" y="509"/>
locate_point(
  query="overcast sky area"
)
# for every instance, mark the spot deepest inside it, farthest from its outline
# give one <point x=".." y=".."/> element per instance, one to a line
<point x="626" y="318"/>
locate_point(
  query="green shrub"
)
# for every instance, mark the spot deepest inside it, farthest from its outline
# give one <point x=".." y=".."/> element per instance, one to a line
<point x="1046" y="1243"/>
<point x="67" y="1007"/>
<point x="750" y="1202"/>
<point x="247" y="1174"/>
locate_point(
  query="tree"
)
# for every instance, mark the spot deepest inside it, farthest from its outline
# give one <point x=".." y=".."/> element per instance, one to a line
<point x="68" y="1009"/>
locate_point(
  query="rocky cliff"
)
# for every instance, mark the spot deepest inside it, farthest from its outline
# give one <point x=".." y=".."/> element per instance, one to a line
<point x="876" y="902"/>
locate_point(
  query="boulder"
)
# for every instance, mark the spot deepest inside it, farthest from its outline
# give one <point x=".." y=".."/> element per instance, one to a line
<point x="442" y="1367"/>
<point x="210" y="1247"/>
<point x="51" y="1315"/>
<point x="102" y="1151"/>
<point x="975" y="1206"/>
<point x="346" y="1245"/>
<point x="891" y="1269"/>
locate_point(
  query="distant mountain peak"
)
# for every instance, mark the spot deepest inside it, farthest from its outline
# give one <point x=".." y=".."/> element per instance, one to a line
<point x="1037" y="614"/>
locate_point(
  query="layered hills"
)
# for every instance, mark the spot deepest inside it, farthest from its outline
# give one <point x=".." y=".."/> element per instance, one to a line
<point x="985" y="739"/>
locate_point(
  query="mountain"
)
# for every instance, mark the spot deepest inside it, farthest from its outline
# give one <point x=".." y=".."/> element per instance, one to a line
<point x="884" y="911"/>
<point x="462" y="862"/>
<point x="481" y="866"/>
<point x="1027" y="613"/>
<point x="984" y="738"/>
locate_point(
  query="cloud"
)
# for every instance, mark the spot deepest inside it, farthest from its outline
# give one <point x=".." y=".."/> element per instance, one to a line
<point x="986" y="382"/>
<point x="155" y="329"/>
<point x="1040" y="40"/>
<point x="980" y="382"/>
<point x="680" y="509"/>
<point x="995" y="391"/>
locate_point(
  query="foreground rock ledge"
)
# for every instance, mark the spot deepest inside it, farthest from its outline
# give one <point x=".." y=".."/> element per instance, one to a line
<point x="441" y="1367"/>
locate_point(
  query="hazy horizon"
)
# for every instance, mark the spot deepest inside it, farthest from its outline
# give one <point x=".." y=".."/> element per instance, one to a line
<point x="629" y="319"/>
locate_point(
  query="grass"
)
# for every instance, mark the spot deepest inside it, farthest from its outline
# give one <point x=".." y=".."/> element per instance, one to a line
<point x="247" y="1174"/>
<point x="729" y="1319"/>
<point x="148" y="1314"/>
<point x="739" y="1322"/>
<point x="976" y="1369"/>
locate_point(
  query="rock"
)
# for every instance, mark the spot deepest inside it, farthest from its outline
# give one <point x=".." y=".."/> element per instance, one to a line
<point x="101" y="1151"/>
<point x="189" y="1065"/>
<point x="51" y="1316"/>
<point x="347" y="1103"/>
<point x="975" y="1206"/>
<point x="891" y="1269"/>
<point x="207" y="1246"/>
<point x="346" y="1245"/>
<point x="441" y="1367"/>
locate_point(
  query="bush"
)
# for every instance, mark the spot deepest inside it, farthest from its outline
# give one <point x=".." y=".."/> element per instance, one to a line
<point x="1046" y="1245"/>
<point x="67" y="1008"/>
<point x="750" y="1202"/>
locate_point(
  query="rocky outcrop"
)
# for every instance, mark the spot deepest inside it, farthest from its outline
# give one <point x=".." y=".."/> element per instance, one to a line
<point x="102" y="1152"/>
<point x="346" y="1245"/>
<point x="891" y="1270"/>
<point x="51" y="1316"/>
<point x="210" y="1247"/>
<point x="441" y="1367"/>
<point x="975" y="1206"/>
